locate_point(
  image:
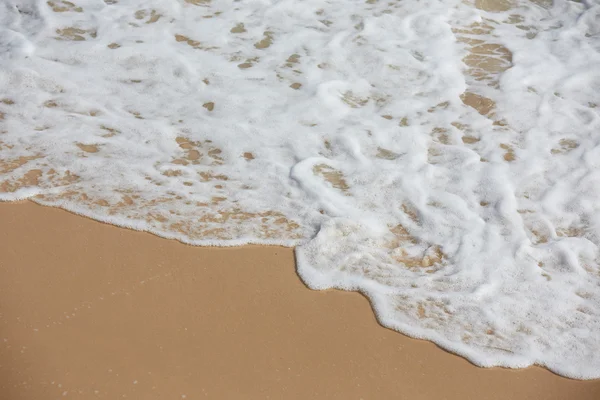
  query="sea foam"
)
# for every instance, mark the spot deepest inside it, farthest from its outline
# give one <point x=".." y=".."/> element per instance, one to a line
<point x="440" y="156"/>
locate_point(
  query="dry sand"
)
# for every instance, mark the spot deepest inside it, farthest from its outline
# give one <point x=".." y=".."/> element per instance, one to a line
<point x="92" y="311"/>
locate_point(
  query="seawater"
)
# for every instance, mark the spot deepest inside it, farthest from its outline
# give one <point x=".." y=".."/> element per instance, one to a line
<point x="440" y="156"/>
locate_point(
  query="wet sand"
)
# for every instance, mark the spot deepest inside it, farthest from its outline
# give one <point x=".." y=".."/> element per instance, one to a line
<point x="92" y="311"/>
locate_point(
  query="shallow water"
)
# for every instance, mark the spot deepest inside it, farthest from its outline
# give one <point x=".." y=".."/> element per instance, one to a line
<point x="439" y="156"/>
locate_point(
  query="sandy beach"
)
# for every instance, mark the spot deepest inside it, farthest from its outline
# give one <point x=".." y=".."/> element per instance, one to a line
<point x="93" y="311"/>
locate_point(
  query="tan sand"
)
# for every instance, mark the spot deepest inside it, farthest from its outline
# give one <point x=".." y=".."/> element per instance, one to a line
<point x="92" y="311"/>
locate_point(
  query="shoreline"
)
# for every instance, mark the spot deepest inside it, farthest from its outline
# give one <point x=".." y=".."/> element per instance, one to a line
<point x="92" y="310"/>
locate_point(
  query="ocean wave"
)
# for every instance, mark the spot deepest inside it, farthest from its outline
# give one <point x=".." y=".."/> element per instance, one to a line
<point x="440" y="156"/>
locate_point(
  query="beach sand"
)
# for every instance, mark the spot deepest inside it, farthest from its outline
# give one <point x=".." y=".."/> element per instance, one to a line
<point x="93" y="311"/>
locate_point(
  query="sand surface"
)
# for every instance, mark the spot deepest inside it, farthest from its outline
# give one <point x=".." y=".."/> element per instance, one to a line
<point x="92" y="311"/>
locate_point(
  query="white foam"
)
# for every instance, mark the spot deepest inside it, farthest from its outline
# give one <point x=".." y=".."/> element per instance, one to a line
<point x="337" y="126"/>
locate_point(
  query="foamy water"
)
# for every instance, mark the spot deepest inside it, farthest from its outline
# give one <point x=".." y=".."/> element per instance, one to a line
<point x="441" y="156"/>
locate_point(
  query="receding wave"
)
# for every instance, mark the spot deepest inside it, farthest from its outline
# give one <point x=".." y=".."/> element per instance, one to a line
<point x="440" y="156"/>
